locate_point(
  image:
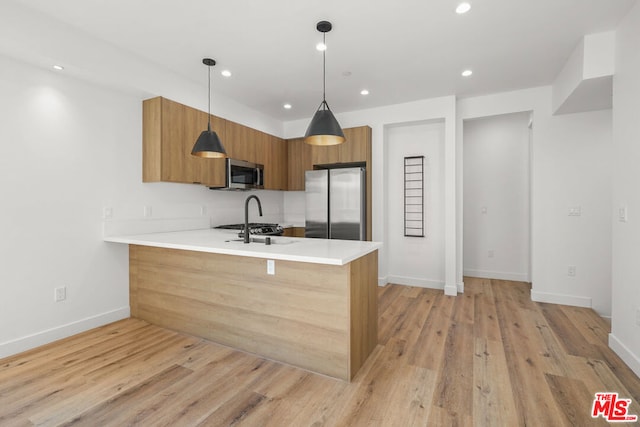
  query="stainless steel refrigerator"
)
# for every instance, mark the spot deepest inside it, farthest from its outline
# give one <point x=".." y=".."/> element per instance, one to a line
<point x="336" y="204"/>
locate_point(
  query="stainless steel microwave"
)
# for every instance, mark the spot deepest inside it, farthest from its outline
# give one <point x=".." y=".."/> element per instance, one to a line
<point x="241" y="175"/>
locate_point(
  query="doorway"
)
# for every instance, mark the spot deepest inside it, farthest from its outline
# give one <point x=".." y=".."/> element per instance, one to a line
<point x="497" y="197"/>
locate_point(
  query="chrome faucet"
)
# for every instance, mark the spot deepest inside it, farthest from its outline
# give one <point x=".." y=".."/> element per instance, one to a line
<point x="246" y="216"/>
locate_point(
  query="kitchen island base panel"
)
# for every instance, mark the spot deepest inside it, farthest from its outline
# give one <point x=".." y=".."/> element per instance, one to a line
<point x="319" y="317"/>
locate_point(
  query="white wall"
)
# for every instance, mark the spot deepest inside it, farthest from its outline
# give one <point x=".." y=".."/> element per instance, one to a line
<point x="496" y="197"/>
<point x="571" y="167"/>
<point x="378" y="119"/>
<point x="35" y="38"/>
<point x="69" y="149"/>
<point x="416" y="261"/>
<point x="625" y="334"/>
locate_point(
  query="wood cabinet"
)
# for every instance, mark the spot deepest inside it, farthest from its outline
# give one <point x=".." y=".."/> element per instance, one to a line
<point x="299" y="161"/>
<point x="357" y="147"/>
<point x="169" y="131"/>
<point x="327" y="155"/>
<point x="320" y="317"/>
<point x="242" y="142"/>
<point x="272" y="153"/>
<point x="251" y="145"/>
<point x="293" y="232"/>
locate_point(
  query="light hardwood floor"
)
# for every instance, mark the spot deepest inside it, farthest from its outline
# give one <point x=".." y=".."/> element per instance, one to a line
<point x="487" y="357"/>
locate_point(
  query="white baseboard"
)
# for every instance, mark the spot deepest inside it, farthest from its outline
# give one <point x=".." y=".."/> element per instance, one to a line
<point x="19" y="345"/>
<point x="414" y="281"/>
<point x="382" y="281"/>
<point x="561" y="299"/>
<point x="625" y="354"/>
<point x="499" y="275"/>
<point x="451" y="290"/>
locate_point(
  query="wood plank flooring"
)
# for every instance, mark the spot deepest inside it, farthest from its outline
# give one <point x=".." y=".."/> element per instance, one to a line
<point x="489" y="357"/>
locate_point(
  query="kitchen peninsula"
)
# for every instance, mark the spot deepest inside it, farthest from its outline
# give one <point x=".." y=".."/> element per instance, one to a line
<point x="311" y="303"/>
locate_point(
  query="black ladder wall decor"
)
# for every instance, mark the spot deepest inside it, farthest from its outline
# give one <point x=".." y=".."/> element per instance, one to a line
<point x="414" y="196"/>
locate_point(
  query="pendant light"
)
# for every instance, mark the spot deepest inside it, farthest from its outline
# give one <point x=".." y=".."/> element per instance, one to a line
<point x="208" y="144"/>
<point x="324" y="129"/>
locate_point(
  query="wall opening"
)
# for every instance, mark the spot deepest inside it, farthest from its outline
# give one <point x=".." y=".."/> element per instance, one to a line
<point x="497" y="197"/>
<point x="415" y="261"/>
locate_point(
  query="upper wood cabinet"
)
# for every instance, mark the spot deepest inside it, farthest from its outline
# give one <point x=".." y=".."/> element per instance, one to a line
<point x="299" y="161"/>
<point x="303" y="157"/>
<point x="274" y="157"/>
<point x="357" y="147"/>
<point x="169" y="131"/>
<point x="242" y="142"/>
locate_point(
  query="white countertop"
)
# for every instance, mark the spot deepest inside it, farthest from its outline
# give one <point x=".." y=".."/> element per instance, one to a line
<point x="319" y="251"/>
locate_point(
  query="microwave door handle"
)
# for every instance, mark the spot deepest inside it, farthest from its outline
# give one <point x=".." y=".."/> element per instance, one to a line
<point x="260" y="177"/>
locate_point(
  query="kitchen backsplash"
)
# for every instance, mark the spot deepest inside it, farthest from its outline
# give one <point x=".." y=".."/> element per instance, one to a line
<point x="217" y="208"/>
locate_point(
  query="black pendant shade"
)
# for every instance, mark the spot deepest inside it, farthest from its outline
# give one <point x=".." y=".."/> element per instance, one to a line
<point x="324" y="129"/>
<point x="208" y="144"/>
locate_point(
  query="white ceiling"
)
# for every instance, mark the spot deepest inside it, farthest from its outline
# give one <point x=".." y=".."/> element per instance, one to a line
<point x="400" y="50"/>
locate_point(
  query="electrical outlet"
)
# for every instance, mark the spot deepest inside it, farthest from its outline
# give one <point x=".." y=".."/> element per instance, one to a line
<point x="147" y="211"/>
<point x="571" y="271"/>
<point x="271" y="267"/>
<point x="203" y="210"/>
<point x="60" y="294"/>
<point x="107" y="213"/>
<point x="490" y="253"/>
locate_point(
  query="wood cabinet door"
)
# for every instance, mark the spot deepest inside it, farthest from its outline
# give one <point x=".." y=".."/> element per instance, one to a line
<point x="242" y="142"/>
<point x="272" y="153"/>
<point x="300" y="160"/>
<point x="325" y="155"/>
<point x="180" y="128"/>
<point x="356" y="146"/>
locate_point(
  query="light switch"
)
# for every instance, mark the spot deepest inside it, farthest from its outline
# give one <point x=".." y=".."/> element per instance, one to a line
<point x="575" y="211"/>
<point x="622" y="214"/>
<point x="483" y="210"/>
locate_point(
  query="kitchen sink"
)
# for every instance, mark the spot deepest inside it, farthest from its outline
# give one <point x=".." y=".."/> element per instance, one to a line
<point x="263" y="240"/>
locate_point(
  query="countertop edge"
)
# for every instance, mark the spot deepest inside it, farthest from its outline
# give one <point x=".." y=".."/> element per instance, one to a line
<point x="148" y="240"/>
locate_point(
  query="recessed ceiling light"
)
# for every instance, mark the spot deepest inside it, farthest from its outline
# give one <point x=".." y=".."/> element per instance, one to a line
<point x="226" y="73"/>
<point x="467" y="73"/>
<point x="287" y="106"/>
<point x="58" y="67"/>
<point x="321" y="47"/>
<point x="364" y="92"/>
<point x="463" y="8"/>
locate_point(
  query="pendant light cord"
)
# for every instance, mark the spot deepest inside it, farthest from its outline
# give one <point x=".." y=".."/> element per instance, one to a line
<point x="324" y="70"/>
<point x="209" y="106"/>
